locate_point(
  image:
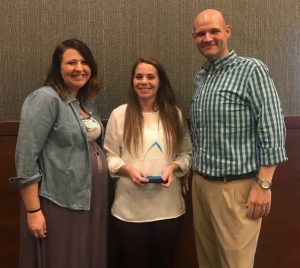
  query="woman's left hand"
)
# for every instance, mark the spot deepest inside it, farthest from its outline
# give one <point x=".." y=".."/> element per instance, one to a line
<point x="167" y="174"/>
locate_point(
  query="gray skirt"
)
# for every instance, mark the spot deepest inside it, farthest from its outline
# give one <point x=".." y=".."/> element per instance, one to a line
<point x="75" y="239"/>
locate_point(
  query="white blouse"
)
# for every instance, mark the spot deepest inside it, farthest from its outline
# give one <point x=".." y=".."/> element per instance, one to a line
<point x="149" y="202"/>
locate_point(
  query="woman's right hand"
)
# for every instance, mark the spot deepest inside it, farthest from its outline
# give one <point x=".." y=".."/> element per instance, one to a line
<point x="37" y="224"/>
<point x="134" y="174"/>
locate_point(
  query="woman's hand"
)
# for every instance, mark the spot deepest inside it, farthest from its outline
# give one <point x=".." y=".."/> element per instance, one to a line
<point x="167" y="174"/>
<point x="35" y="221"/>
<point x="37" y="224"/>
<point x="134" y="174"/>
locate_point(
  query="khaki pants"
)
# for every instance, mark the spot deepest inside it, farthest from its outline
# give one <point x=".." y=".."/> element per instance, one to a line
<point x="225" y="237"/>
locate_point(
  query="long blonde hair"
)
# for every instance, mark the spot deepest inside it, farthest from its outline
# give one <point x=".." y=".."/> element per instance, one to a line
<point x="170" y="115"/>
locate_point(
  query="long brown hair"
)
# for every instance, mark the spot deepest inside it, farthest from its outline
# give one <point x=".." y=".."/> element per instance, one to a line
<point x="55" y="80"/>
<point x="172" y="119"/>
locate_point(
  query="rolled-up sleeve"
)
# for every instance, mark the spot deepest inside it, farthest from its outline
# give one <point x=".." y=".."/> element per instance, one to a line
<point x="37" y="119"/>
<point x="269" y="117"/>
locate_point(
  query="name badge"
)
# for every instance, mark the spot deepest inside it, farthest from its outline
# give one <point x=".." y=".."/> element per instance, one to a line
<point x="89" y="123"/>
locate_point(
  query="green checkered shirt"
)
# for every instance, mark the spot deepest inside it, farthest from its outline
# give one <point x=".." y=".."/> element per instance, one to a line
<point x="236" y="118"/>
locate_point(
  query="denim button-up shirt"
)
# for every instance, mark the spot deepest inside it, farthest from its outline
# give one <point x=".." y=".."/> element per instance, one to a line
<point x="52" y="149"/>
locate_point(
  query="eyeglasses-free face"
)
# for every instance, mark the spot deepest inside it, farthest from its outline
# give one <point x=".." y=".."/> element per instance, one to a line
<point x="74" y="70"/>
<point x="146" y="82"/>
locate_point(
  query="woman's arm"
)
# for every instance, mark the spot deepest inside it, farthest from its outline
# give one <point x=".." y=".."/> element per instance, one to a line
<point x="113" y="144"/>
<point x="37" y="119"/>
<point x="182" y="163"/>
<point x="35" y="217"/>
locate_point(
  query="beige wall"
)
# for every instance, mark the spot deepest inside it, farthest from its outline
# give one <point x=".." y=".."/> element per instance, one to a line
<point x="119" y="31"/>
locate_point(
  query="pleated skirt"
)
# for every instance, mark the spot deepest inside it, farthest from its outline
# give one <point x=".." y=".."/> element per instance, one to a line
<point x="75" y="239"/>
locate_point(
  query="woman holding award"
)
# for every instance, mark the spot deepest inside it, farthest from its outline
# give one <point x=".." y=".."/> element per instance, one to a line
<point x="148" y="149"/>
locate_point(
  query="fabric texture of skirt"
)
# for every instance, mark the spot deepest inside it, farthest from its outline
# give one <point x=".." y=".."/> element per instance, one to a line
<point x="75" y="238"/>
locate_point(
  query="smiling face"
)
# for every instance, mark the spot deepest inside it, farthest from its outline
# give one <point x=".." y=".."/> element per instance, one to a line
<point x="74" y="70"/>
<point x="211" y="34"/>
<point x="146" y="82"/>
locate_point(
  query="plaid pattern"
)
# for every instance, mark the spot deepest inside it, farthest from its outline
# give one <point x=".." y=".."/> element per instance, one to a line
<point x="236" y="118"/>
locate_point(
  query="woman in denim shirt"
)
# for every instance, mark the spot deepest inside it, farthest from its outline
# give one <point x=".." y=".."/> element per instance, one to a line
<point x="61" y="169"/>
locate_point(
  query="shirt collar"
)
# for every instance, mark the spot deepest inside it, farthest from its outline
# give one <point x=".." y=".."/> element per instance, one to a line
<point x="71" y="99"/>
<point x="220" y="63"/>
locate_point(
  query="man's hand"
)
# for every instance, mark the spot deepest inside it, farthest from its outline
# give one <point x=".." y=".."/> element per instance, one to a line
<point x="185" y="183"/>
<point x="259" y="202"/>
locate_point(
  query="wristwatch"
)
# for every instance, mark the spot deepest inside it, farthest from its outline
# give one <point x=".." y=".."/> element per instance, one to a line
<point x="264" y="184"/>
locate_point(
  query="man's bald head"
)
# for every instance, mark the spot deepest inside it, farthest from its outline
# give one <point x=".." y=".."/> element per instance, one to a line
<point x="211" y="34"/>
<point x="208" y="14"/>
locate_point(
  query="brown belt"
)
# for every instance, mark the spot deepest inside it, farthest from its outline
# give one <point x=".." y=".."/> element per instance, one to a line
<point x="226" y="178"/>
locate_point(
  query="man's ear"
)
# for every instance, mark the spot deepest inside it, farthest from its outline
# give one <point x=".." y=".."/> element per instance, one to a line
<point x="228" y="30"/>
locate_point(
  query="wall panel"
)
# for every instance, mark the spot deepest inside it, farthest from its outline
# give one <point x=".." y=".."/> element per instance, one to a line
<point x="119" y="31"/>
<point x="279" y="243"/>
